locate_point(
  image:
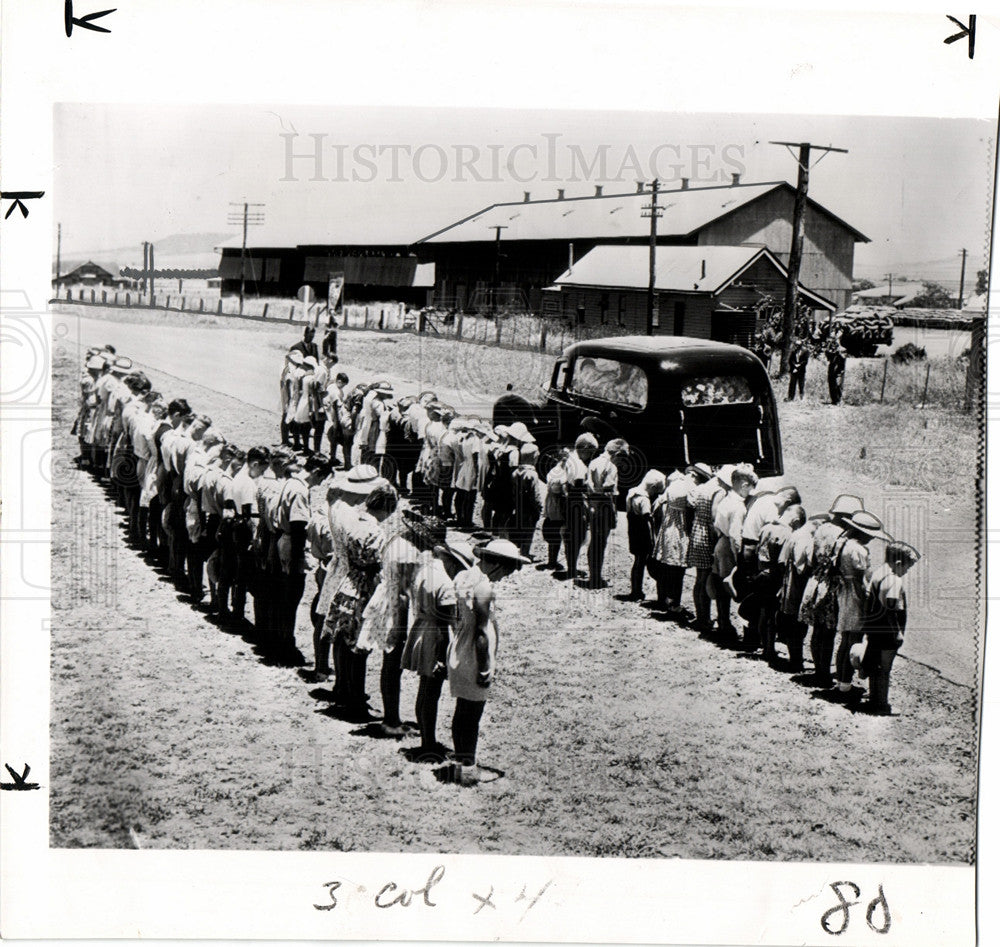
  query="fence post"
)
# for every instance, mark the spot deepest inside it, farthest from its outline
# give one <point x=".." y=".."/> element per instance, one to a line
<point x="183" y="302"/>
<point x="291" y="312"/>
<point x="927" y="381"/>
<point x="201" y="304"/>
<point x="422" y="323"/>
<point x="128" y="299"/>
<point x="885" y="371"/>
<point x="543" y="335"/>
<point x="220" y="305"/>
<point x="166" y="305"/>
<point x="93" y="295"/>
<point x="263" y="314"/>
<point x="458" y="326"/>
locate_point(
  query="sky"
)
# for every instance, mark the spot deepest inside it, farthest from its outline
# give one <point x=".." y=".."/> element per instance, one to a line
<point x="919" y="188"/>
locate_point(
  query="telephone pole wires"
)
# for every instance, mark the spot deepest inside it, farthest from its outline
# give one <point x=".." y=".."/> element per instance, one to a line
<point x="248" y="218"/>
<point x="652" y="210"/>
<point x="795" y="253"/>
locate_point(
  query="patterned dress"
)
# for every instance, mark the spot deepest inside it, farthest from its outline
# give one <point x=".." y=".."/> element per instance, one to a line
<point x="702" y="541"/>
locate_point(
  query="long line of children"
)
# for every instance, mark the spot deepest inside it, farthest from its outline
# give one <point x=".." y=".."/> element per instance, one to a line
<point x="790" y="575"/>
<point x="388" y="579"/>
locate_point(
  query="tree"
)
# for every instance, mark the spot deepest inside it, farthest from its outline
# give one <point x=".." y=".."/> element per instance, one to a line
<point x="860" y="285"/>
<point x="934" y="296"/>
<point x="982" y="278"/>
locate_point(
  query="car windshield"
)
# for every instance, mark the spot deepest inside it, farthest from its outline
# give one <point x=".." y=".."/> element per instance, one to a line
<point x="610" y="380"/>
<point x="717" y="389"/>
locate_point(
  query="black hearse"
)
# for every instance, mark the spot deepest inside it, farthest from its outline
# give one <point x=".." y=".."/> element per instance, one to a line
<point x="676" y="400"/>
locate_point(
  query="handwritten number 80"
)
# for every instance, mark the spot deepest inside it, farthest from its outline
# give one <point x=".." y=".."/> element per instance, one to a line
<point x="876" y="905"/>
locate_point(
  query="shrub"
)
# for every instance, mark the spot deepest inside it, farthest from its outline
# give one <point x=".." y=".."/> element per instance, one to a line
<point x="909" y="353"/>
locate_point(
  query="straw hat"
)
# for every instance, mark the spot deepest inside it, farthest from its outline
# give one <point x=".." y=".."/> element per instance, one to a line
<point x="501" y="430"/>
<point x="519" y="432"/>
<point x="359" y="481"/>
<point x="700" y="471"/>
<point x="846" y="505"/>
<point x="869" y="524"/>
<point x="295" y="357"/>
<point x="586" y="440"/>
<point x="725" y="475"/>
<point x="383" y="389"/>
<point x="96" y="363"/>
<point x="461" y="552"/>
<point x="502" y="550"/>
<point x="121" y="365"/>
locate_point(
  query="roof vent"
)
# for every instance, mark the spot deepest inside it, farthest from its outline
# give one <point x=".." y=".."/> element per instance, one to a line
<point x="527" y="196"/>
<point x="640" y="187"/>
<point x="560" y="194"/>
<point x="736" y="180"/>
<point x="685" y="182"/>
<point x="702" y="269"/>
<point x="598" y="190"/>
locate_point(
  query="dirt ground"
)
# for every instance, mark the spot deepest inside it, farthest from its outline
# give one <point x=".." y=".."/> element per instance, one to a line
<point x="610" y="732"/>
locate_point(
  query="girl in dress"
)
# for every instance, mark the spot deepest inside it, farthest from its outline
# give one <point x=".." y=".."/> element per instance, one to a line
<point x="472" y="648"/>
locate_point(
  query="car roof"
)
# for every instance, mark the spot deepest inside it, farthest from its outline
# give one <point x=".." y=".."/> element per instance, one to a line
<point x="690" y="354"/>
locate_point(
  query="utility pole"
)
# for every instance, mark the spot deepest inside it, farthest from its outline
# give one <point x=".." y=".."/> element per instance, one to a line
<point x="961" y="279"/>
<point x="145" y="264"/>
<point x="652" y="305"/>
<point x="58" y="252"/>
<point x="152" y="277"/>
<point x="795" y="253"/>
<point x="246" y="217"/>
<point x="888" y="276"/>
<point x="496" y="269"/>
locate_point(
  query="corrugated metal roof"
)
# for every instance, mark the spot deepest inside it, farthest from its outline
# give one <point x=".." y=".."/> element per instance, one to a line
<point x="611" y="216"/>
<point x="678" y="269"/>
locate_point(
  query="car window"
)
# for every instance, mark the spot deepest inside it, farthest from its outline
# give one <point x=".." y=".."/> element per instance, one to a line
<point x="717" y="389"/>
<point x="610" y="380"/>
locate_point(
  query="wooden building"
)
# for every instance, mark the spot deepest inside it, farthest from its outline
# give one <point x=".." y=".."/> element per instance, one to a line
<point x="539" y="238"/>
<point x="94" y="274"/>
<point x="702" y="292"/>
<point x="372" y="273"/>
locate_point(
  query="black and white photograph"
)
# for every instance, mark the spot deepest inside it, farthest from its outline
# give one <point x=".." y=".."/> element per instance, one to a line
<point x="598" y="484"/>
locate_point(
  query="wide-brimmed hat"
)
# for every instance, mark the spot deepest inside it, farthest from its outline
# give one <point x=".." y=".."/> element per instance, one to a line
<point x="96" y="363"/>
<point x="702" y="471"/>
<point x="359" y="481"/>
<point x="845" y="505"/>
<point x="586" y="440"/>
<point x="425" y="531"/>
<point x="528" y="453"/>
<point x="501" y="430"/>
<point x="461" y="552"/>
<point x="519" y="432"/>
<point x="725" y="475"/>
<point x="426" y="397"/>
<point x="869" y="524"/>
<point x="501" y="550"/>
<point x="383" y="389"/>
<point x="311" y="361"/>
<point x="295" y="357"/>
<point x="406" y="401"/>
<point x="121" y="365"/>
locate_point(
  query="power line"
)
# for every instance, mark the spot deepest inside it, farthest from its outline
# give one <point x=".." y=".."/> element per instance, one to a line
<point x="249" y="219"/>
<point x="795" y="254"/>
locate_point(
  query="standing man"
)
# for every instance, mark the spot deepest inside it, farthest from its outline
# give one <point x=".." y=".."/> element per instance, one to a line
<point x="835" y="372"/>
<point x="330" y="339"/>
<point x="307" y="346"/>
<point x="602" y="491"/>
<point x="576" y="464"/>
<point x="797" y="370"/>
<point x="242" y="498"/>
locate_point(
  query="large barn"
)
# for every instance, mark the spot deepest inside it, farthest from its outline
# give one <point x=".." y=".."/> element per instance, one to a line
<point x="702" y="292"/>
<point x="372" y="273"/>
<point x="538" y="238"/>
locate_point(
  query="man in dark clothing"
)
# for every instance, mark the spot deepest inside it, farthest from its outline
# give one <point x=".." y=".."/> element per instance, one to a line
<point x="307" y="346"/>
<point x="330" y="340"/>
<point x="797" y="371"/>
<point x="835" y="373"/>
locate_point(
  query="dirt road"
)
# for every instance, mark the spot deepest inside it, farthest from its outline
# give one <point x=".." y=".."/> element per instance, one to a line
<point x="635" y="740"/>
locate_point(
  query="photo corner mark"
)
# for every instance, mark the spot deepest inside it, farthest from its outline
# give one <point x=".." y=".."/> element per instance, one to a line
<point x="965" y="30"/>
<point x="20" y="780"/>
<point x="85" y="22"/>
<point x="19" y="197"/>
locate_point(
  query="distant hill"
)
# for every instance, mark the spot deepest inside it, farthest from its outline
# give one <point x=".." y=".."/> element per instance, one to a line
<point x="182" y="245"/>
